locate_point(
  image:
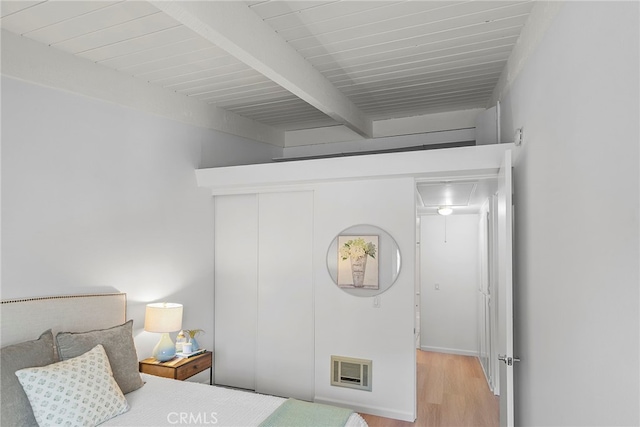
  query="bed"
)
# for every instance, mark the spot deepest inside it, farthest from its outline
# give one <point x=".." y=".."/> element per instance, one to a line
<point x="93" y="351"/>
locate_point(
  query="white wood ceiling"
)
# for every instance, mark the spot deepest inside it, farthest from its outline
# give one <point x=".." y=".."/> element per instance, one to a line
<point x="388" y="58"/>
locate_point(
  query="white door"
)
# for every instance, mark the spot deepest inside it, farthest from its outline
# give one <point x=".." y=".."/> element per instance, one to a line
<point x="285" y="341"/>
<point x="236" y="296"/>
<point x="264" y="293"/>
<point x="505" y="290"/>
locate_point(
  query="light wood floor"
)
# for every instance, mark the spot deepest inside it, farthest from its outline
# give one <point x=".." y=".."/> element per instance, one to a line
<point x="452" y="391"/>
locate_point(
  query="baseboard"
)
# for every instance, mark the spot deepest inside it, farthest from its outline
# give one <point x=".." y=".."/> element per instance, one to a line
<point x="450" y="350"/>
<point x="380" y="412"/>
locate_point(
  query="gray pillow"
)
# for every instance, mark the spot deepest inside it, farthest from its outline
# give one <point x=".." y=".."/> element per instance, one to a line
<point x="117" y="343"/>
<point x="15" y="409"/>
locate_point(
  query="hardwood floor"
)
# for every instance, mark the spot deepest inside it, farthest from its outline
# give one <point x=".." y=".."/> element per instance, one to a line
<point x="452" y="391"/>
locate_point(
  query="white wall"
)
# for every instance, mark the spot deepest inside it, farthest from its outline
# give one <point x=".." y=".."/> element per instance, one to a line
<point x="97" y="197"/>
<point x="576" y="219"/>
<point x="309" y="320"/>
<point x="449" y="258"/>
<point x="26" y="59"/>
<point x="347" y="325"/>
<point x="350" y="191"/>
<point x="223" y="149"/>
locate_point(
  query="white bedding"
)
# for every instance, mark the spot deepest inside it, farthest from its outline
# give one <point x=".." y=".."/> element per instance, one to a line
<point x="167" y="402"/>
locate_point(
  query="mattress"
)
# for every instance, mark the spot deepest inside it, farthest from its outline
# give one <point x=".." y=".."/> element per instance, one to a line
<point x="167" y="402"/>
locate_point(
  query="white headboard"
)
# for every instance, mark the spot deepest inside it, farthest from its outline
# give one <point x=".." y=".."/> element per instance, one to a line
<point x="25" y="319"/>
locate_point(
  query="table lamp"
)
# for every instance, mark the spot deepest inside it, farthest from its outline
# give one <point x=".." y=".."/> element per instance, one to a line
<point x="163" y="317"/>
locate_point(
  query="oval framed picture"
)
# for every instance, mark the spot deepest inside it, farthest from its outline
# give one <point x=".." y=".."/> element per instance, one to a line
<point x="364" y="260"/>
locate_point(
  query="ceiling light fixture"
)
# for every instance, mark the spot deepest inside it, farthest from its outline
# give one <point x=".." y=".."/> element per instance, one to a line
<point x="445" y="210"/>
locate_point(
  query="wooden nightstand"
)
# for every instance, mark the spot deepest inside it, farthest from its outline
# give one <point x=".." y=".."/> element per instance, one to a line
<point x="179" y="369"/>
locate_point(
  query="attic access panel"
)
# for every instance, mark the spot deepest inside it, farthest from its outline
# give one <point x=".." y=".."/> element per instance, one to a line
<point x="446" y="193"/>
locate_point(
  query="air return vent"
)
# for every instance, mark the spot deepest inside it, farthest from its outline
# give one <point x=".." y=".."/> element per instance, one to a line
<point x="350" y="372"/>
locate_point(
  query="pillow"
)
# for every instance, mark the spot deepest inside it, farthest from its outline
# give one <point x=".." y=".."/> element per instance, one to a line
<point x="15" y="409"/>
<point x="75" y="392"/>
<point x="117" y="343"/>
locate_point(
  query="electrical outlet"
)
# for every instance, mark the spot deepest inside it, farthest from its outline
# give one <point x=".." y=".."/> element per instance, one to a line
<point x="376" y="302"/>
<point x="437" y="286"/>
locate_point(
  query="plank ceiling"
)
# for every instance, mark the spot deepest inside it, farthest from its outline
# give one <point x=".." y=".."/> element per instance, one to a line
<point x="388" y="58"/>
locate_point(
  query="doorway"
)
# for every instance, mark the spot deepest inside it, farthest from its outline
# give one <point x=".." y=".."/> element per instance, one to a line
<point x="455" y="266"/>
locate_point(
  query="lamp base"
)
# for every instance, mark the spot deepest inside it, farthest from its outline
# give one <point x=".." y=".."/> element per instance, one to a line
<point x="165" y="349"/>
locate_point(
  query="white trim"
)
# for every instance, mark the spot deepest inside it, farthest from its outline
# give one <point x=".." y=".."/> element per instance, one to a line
<point x="457" y="351"/>
<point x="337" y="148"/>
<point x="372" y="410"/>
<point x="462" y="161"/>
<point x="434" y="122"/>
<point x="423" y="129"/>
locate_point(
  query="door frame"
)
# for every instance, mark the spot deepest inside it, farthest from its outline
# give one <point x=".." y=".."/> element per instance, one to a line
<point x="500" y="283"/>
<point x="505" y="290"/>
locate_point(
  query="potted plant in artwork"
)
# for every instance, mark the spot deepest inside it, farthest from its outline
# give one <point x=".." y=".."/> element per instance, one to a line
<point x="358" y="250"/>
<point x="192" y="338"/>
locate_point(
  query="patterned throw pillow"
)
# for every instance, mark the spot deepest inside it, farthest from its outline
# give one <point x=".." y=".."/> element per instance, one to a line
<point x="75" y="392"/>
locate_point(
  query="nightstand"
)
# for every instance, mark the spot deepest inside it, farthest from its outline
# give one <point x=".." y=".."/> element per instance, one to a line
<point x="179" y="369"/>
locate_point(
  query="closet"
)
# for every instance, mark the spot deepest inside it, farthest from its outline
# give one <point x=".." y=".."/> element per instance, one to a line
<point x="263" y="299"/>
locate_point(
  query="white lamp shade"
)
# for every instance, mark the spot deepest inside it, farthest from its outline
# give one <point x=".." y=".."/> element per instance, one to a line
<point x="163" y="317"/>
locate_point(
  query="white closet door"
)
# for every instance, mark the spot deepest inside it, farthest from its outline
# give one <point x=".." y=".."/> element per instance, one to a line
<point x="236" y="284"/>
<point x="285" y="354"/>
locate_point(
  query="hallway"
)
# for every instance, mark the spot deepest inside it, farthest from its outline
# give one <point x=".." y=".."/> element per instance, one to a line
<point x="452" y="391"/>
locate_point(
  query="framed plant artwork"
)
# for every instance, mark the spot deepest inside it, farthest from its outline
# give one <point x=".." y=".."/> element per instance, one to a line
<point x="358" y="261"/>
<point x="358" y="243"/>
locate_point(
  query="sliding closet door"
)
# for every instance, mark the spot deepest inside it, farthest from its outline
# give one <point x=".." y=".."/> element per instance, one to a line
<point x="236" y="284"/>
<point x="284" y="353"/>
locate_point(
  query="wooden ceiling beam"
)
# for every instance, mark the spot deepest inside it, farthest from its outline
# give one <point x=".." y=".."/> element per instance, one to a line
<point x="235" y="28"/>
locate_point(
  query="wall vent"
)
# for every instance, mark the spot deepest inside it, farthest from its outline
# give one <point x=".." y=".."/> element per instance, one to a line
<point x="351" y="373"/>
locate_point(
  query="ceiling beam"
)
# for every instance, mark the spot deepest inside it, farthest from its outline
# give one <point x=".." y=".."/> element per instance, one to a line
<point x="35" y="62"/>
<point x="234" y="27"/>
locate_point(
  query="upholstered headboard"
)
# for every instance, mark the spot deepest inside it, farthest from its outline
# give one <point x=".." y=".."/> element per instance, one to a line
<point x="25" y="319"/>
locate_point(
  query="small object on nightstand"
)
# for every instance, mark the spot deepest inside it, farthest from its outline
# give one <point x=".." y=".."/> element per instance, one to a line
<point x="179" y="368"/>
<point x="192" y="338"/>
<point x="185" y="355"/>
<point x="180" y="340"/>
